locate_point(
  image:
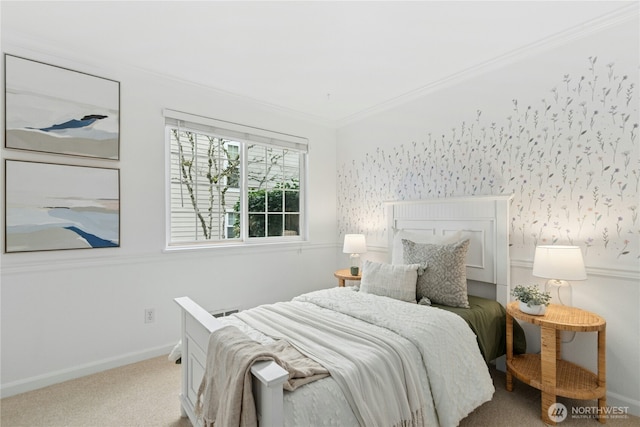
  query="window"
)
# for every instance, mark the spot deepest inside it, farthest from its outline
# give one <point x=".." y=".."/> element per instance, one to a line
<point x="233" y="224"/>
<point x="230" y="183"/>
<point x="233" y="155"/>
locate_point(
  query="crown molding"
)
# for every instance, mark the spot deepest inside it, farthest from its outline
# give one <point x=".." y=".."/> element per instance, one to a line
<point x="24" y="45"/>
<point x="618" y="17"/>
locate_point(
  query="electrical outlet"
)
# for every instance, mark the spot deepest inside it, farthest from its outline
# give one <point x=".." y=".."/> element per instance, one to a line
<point x="149" y="315"/>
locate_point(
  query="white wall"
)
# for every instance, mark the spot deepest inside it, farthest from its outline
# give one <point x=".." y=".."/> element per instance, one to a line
<point x="568" y="187"/>
<point x="68" y="313"/>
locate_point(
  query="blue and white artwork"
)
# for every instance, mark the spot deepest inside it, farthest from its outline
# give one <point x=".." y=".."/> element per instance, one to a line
<point x="56" y="110"/>
<point x="54" y="207"/>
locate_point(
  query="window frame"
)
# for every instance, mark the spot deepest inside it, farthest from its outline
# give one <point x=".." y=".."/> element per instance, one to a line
<point x="249" y="136"/>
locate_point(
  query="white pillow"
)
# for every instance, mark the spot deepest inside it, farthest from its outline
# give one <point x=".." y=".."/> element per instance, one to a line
<point x="397" y="250"/>
<point x="393" y="281"/>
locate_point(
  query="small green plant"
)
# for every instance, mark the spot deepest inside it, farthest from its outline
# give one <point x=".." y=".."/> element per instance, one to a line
<point x="531" y="295"/>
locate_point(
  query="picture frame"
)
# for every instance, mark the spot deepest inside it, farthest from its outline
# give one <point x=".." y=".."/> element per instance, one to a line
<point x="57" y="110"/>
<point x="51" y="206"/>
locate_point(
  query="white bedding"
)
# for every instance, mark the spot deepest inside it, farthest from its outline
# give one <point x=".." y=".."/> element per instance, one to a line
<point x="453" y="377"/>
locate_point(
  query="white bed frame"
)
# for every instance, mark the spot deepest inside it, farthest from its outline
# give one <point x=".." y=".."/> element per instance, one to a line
<point x="482" y="219"/>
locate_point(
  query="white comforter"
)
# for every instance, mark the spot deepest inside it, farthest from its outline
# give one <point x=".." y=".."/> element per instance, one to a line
<point x="451" y="374"/>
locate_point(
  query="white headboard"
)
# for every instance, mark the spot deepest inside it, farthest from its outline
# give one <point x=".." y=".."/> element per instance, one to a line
<point x="484" y="220"/>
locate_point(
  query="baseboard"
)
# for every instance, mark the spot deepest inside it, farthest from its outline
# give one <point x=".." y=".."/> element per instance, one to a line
<point x="40" y="381"/>
<point x="619" y="401"/>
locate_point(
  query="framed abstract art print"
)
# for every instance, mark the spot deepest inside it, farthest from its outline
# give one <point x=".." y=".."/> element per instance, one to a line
<point x="56" y="110"/>
<point x="52" y="207"/>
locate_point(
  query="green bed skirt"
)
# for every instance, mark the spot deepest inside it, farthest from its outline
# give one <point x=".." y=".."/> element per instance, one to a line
<point x="488" y="320"/>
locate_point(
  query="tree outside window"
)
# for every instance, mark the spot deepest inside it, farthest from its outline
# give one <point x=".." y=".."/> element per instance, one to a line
<point x="215" y="189"/>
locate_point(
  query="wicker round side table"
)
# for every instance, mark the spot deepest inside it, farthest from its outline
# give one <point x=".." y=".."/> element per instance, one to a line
<point x="547" y="371"/>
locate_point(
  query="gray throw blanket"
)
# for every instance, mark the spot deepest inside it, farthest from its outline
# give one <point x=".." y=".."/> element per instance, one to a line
<point x="225" y="397"/>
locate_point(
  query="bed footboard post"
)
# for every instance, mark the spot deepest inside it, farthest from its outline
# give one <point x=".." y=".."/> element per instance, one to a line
<point x="268" y="379"/>
<point x="268" y="376"/>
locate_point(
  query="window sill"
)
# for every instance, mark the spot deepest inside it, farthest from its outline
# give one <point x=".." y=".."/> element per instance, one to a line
<point x="231" y="247"/>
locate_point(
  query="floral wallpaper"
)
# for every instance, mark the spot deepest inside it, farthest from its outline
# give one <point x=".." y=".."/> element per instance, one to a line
<point x="570" y="158"/>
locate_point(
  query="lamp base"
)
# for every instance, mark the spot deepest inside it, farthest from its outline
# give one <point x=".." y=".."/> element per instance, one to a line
<point x="562" y="290"/>
<point x="564" y="293"/>
<point x="355" y="264"/>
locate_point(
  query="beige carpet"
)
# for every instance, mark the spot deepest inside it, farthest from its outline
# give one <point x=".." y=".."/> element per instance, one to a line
<point x="141" y="394"/>
<point x="146" y="394"/>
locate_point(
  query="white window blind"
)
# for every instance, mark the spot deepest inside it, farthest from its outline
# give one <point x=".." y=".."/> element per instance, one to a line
<point x="236" y="131"/>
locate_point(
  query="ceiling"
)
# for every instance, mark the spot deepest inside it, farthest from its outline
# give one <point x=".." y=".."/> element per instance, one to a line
<point x="328" y="61"/>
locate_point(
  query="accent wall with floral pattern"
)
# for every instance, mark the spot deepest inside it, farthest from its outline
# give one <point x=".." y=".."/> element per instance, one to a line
<point x="570" y="159"/>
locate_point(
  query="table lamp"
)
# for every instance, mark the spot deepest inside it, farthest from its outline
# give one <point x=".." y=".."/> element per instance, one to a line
<point x="354" y="244"/>
<point x="559" y="264"/>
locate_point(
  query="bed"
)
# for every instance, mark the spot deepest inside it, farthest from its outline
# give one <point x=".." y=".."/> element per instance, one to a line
<point x="482" y="224"/>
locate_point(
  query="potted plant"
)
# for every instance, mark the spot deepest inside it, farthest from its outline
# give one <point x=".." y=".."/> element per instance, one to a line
<point x="531" y="299"/>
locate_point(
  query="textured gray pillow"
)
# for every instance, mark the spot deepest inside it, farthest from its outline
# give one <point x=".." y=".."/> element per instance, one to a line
<point x="444" y="280"/>
<point x="397" y="256"/>
<point x="393" y="281"/>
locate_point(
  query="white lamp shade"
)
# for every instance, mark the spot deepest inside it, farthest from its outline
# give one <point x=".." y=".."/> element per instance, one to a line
<point x="559" y="262"/>
<point x="354" y="244"/>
